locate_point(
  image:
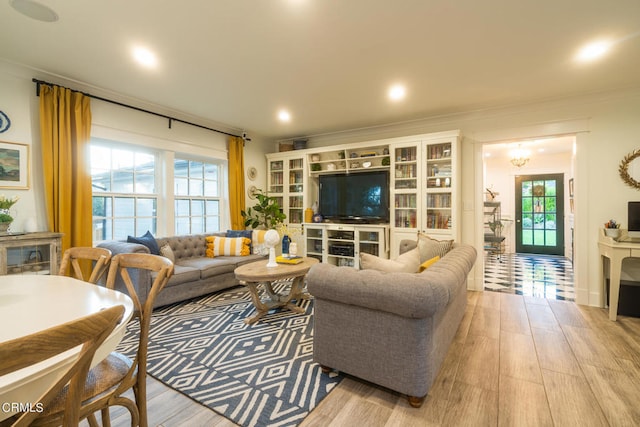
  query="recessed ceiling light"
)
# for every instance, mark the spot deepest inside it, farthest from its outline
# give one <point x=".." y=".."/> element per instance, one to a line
<point x="34" y="10"/>
<point x="397" y="92"/>
<point x="284" y="116"/>
<point x="593" y="51"/>
<point x="145" y="57"/>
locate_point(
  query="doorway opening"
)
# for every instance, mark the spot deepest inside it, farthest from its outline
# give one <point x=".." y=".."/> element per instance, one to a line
<point x="528" y="245"/>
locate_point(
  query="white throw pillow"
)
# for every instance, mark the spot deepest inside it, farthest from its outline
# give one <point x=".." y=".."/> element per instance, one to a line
<point x="167" y="252"/>
<point x="408" y="262"/>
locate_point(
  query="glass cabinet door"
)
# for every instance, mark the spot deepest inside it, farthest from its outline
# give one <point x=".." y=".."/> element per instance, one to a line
<point x="405" y="185"/>
<point x="439" y="187"/>
<point x="276" y="176"/>
<point x="295" y="214"/>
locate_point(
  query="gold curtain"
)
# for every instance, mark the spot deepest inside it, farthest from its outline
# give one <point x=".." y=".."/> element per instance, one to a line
<point x="236" y="182"/>
<point x="65" y="130"/>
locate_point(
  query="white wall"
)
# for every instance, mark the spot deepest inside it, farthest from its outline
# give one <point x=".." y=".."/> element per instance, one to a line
<point x="109" y="121"/>
<point x="606" y="128"/>
<point x="17" y="102"/>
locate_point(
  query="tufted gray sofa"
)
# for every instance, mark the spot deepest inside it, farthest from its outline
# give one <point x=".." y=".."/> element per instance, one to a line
<point x="195" y="274"/>
<point x="392" y="329"/>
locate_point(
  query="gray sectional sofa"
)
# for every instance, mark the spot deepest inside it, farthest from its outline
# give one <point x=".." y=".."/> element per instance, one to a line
<point x="195" y="274"/>
<point x="392" y="329"/>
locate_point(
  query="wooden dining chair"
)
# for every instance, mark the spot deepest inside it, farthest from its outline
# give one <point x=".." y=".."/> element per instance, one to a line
<point x="89" y="331"/>
<point x="72" y="263"/>
<point x="108" y="380"/>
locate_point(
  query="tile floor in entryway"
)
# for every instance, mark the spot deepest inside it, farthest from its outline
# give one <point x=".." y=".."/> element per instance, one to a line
<point x="543" y="276"/>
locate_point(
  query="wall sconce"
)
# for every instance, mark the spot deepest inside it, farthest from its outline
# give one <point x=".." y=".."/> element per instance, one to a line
<point x="519" y="156"/>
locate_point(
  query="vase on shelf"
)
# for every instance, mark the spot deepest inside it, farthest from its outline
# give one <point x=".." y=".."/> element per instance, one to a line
<point x="4" y="227"/>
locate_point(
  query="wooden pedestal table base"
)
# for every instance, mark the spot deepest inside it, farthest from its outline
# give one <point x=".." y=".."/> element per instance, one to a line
<point x="257" y="273"/>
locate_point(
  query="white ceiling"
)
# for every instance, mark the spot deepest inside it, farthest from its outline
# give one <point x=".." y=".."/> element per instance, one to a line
<point x="329" y="62"/>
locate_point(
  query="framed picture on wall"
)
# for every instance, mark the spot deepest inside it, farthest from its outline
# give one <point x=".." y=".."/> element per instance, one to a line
<point x="14" y="165"/>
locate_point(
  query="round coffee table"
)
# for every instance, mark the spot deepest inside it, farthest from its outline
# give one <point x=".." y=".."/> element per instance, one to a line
<point x="257" y="273"/>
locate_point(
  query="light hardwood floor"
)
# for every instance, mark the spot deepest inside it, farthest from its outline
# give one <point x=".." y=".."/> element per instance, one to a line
<point x="515" y="361"/>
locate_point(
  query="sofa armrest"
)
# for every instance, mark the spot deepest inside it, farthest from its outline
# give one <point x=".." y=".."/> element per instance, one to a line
<point x="141" y="278"/>
<point x="118" y="247"/>
<point x="404" y="294"/>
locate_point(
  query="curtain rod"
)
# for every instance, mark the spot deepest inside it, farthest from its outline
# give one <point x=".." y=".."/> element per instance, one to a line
<point x="169" y="118"/>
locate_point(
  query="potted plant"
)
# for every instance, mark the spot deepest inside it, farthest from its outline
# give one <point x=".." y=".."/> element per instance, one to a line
<point x="612" y="228"/>
<point x="266" y="213"/>
<point x="5" y="216"/>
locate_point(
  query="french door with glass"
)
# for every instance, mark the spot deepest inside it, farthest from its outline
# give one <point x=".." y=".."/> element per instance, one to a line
<point x="540" y="214"/>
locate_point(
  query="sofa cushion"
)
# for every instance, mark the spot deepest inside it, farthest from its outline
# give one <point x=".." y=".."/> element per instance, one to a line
<point x="182" y="274"/>
<point x="229" y="246"/>
<point x="209" y="267"/>
<point x="430" y="248"/>
<point x="408" y="262"/>
<point x="146" y="239"/>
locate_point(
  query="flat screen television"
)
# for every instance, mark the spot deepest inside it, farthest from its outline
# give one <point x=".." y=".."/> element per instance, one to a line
<point x="633" y="219"/>
<point x="361" y="197"/>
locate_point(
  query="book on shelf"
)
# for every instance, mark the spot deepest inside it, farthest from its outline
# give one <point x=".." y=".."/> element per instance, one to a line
<point x="289" y="260"/>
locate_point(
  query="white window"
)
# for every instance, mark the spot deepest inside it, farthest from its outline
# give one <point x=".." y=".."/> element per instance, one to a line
<point x="125" y="199"/>
<point x="197" y="195"/>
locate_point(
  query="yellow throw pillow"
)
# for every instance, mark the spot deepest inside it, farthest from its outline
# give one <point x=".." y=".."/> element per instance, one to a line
<point x="428" y="263"/>
<point x="227" y="246"/>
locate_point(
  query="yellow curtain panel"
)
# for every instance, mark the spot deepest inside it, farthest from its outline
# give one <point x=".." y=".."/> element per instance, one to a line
<point x="236" y="182"/>
<point x="65" y="129"/>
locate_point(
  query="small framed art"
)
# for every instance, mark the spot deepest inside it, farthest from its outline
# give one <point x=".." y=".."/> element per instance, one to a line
<point x="14" y="165"/>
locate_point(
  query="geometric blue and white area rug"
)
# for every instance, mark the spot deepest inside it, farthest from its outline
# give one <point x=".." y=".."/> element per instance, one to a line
<point x="254" y="375"/>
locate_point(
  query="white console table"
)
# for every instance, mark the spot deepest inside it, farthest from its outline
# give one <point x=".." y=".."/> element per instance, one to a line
<point x="616" y="251"/>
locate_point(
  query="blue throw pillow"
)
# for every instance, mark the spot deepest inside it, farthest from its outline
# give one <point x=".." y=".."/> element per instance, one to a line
<point x="148" y="240"/>
<point x="240" y="233"/>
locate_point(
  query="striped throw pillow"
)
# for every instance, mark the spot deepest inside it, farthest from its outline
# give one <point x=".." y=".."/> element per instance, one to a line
<point x="227" y="246"/>
<point x="430" y="248"/>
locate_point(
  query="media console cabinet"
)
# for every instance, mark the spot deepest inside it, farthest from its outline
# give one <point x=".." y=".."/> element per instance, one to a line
<point x="341" y="244"/>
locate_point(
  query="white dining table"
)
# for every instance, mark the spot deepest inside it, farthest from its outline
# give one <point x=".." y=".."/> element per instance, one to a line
<point x="32" y="303"/>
